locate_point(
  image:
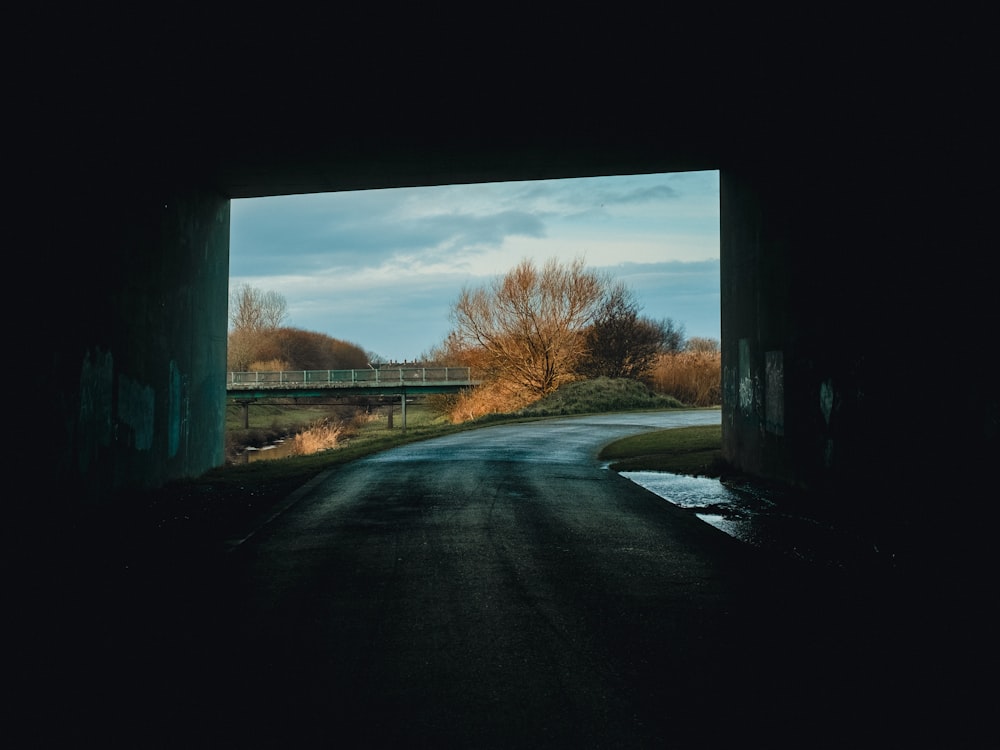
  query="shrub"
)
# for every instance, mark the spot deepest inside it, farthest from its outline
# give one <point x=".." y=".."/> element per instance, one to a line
<point x="494" y="397"/>
<point x="591" y="396"/>
<point x="321" y="436"/>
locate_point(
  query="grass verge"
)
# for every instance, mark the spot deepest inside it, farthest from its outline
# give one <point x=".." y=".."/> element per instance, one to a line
<point x="687" y="450"/>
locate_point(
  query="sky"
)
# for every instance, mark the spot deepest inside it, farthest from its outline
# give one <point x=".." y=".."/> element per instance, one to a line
<point x="382" y="269"/>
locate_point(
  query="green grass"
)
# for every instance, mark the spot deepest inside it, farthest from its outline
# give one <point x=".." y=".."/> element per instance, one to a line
<point x="267" y="416"/>
<point x="686" y="450"/>
<point x="597" y="396"/>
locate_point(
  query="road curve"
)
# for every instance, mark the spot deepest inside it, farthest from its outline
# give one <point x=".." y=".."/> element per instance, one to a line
<point x="501" y="588"/>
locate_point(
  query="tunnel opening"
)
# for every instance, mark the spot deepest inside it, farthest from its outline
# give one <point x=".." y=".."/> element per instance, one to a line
<point x="378" y="270"/>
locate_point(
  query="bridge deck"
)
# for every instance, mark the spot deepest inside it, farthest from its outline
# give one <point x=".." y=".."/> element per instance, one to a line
<point x="318" y="383"/>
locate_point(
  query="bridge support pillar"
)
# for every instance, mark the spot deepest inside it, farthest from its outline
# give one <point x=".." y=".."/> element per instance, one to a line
<point x="402" y="401"/>
<point x="144" y="397"/>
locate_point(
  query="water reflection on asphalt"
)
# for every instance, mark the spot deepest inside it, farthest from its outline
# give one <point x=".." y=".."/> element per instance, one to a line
<point x="763" y="520"/>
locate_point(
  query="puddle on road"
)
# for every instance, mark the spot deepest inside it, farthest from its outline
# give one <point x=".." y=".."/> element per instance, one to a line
<point x="754" y="517"/>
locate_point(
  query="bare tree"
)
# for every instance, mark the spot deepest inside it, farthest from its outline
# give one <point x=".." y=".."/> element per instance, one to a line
<point x="674" y="336"/>
<point x="241" y="351"/>
<point x="620" y="343"/>
<point x="375" y="360"/>
<point x="530" y="322"/>
<point x="700" y="344"/>
<point x="251" y="309"/>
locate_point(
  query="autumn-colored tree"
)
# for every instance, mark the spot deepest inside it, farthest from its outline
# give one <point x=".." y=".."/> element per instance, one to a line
<point x="309" y="350"/>
<point x="294" y="349"/>
<point x="258" y="341"/>
<point x="453" y="352"/>
<point x="529" y="323"/>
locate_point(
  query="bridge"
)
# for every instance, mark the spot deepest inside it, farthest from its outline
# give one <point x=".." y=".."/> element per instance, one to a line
<point x="245" y="388"/>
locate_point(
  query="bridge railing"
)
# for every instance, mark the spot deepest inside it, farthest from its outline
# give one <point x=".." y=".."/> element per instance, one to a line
<point x="382" y="376"/>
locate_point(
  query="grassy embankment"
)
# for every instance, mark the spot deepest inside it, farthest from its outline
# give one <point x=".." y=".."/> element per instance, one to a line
<point x="685" y="450"/>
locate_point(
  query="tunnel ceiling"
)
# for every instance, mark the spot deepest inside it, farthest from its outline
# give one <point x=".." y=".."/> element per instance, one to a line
<point x="296" y="145"/>
<point x="295" y="119"/>
<point x="269" y="106"/>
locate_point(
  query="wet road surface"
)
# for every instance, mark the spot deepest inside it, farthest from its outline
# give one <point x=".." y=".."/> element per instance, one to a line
<point x="499" y="588"/>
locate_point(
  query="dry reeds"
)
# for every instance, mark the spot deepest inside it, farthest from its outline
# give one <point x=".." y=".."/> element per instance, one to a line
<point x="321" y="436"/>
<point x="692" y="377"/>
<point x="490" y="398"/>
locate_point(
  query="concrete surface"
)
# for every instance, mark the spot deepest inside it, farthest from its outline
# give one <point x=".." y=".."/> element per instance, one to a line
<point x="496" y="588"/>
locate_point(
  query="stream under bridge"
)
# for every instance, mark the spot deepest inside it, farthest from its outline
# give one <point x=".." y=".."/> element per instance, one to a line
<point x="246" y="388"/>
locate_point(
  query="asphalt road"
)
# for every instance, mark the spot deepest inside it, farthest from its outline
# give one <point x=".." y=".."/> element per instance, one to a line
<point x="496" y="588"/>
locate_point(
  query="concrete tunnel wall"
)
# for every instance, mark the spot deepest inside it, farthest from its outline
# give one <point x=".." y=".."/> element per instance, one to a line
<point x="854" y="366"/>
<point x="140" y="362"/>
<point x="794" y="354"/>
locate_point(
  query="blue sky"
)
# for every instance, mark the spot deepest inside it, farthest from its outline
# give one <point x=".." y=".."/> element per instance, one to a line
<point x="382" y="268"/>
